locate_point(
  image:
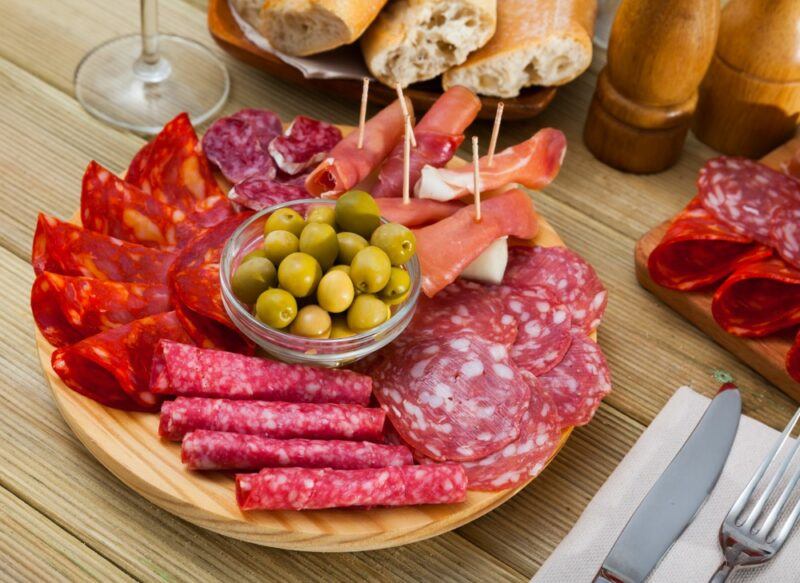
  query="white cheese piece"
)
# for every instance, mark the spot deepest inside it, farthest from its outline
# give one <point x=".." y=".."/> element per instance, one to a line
<point x="489" y="266"/>
<point x="432" y="185"/>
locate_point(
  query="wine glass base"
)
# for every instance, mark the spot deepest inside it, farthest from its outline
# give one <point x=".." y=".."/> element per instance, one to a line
<point x="116" y="86"/>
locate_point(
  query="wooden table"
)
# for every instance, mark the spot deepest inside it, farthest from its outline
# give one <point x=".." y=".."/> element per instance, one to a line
<point x="64" y="514"/>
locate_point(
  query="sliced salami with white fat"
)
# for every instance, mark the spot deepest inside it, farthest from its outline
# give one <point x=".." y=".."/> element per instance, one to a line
<point x="260" y="192"/>
<point x="305" y="144"/>
<point x="232" y="144"/>
<point x="785" y="231"/>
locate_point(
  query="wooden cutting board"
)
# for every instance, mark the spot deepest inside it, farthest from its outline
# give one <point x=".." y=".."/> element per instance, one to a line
<point x="765" y="355"/>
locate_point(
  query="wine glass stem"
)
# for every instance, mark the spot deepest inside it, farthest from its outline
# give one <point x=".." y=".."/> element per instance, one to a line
<point x="151" y="67"/>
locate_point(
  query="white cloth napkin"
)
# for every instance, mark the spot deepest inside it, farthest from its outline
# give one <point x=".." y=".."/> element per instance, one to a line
<point x="696" y="554"/>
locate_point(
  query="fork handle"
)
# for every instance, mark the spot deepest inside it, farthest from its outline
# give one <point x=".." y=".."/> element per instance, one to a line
<point x="722" y="573"/>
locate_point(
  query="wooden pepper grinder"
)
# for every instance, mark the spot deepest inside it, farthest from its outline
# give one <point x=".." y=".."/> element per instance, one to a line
<point x="658" y="52"/>
<point x="750" y="98"/>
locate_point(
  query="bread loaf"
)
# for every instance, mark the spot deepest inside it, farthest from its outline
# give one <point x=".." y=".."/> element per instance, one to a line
<point x="538" y="42"/>
<point x="248" y="10"/>
<point x="415" y="40"/>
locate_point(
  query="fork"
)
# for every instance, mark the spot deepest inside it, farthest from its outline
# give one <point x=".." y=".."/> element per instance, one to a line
<point x="743" y="542"/>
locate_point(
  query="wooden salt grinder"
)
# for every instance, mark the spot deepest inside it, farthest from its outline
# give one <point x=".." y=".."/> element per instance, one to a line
<point x="750" y="99"/>
<point x="642" y="107"/>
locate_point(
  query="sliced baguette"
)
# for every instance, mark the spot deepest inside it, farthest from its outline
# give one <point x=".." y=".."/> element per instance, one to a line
<point x="415" y="40"/>
<point x="538" y="42"/>
<point x="307" y="27"/>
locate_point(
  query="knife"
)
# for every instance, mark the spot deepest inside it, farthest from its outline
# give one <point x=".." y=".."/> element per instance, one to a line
<point x="677" y="495"/>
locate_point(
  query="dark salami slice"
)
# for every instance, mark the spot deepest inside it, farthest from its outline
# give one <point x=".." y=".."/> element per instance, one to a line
<point x="232" y="144"/>
<point x="759" y="299"/>
<point x="68" y="249"/>
<point x="258" y="193"/>
<point x="453" y="397"/>
<point x="579" y="382"/>
<point x="274" y="419"/>
<point x="179" y="369"/>
<point x="745" y="194"/>
<point x="113" y="367"/>
<point x="265" y="124"/>
<point x="570" y="279"/>
<point x="699" y="250"/>
<point x="793" y="359"/>
<point x="214" y="450"/>
<point x="305" y="144"/>
<point x="306" y="489"/>
<point x="67" y="308"/>
<point x="786" y="234"/>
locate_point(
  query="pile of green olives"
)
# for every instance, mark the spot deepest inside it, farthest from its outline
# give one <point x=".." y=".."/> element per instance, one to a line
<point x="335" y="273"/>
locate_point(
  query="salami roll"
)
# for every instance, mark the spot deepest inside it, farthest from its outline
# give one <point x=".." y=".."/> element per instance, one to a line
<point x="305" y="143"/>
<point x="306" y="489"/>
<point x="113" y="367"/>
<point x="759" y="299"/>
<point x="570" y="279"/>
<point x="260" y="192"/>
<point x="231" y="143"/>
<point x="274" y="419"/>
<point x="699" y="250"/>
<point x="187" y="371"/>
<point x="67" y="309"/>
<point x="214" y="450"/>
<point x="68" y="249"/>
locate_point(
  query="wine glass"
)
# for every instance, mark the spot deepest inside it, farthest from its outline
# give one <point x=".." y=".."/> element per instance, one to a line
<point x="141" y="81"/>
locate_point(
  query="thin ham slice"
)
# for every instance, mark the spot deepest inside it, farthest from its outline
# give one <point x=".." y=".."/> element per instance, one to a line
<point x="533" y="163"/>
<point x="416" y="212"/>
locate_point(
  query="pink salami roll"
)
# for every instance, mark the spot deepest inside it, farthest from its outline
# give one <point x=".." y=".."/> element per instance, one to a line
<point x="277" y="419"/>
<point x="188" y="371"/>
<point x="215" y="450"/>
<point x="306" y="488"/>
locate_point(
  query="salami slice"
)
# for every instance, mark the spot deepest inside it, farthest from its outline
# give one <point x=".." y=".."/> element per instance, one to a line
<point x="699" y="250"/>
<point x="571" y="280"/>
<point x="759" y="299"/>
<point x="67" y="308"/>
<point x="579" y="382"/>
<point x="232" y="144"/>
<point x="265" y="124"/>
<point x="68" y="249"/>
<point x="214" y="450"/>
<point x="305" y="144"/>
<point x="179" y="369"/>
<point x="785" y="230"/>
<point x="113" y="367"/>
<point x="455" y="397"/>
<point x="138" y="165"/>
<point x="258" y="193"/>
<point x="745" y="194"/>
<point x="306" y="489"/>
<point x="274" y="419"/>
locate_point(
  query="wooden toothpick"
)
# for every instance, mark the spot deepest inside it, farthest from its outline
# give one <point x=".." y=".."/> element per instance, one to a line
<point x="406" y="162"/>
<point x="495" y="132"/>
<point x="404" y="109"/>
<point x="476" y="177"/>
<point x="362" y="116"/>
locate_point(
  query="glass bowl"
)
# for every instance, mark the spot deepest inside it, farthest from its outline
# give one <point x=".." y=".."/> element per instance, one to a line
<point x="329" y="352"/>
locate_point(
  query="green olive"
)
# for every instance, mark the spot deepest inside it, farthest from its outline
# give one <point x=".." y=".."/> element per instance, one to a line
<point x="398" y="242"/>
<point x="345" y="268"/>
<point x="299" y="274"/>
<point x="260" y="252"/>
<point x="357" y="212"/>
<point x="349" y="245"/>
<point x="366" y="312"/>
<point x="324" y="213"/>
<point x="397" y="300"/>
<point x="251" y="278"/>
<point x="319" y="241"/>
<point x="335" y="291"/>
<point x="285" y="219"/>
<point x="370" y="270"/>
<point x="280" y="244"/>
<point x="398" y="286"/>
<point x="312" y="322"/>
<point x="276" y="307"/>
<point x="340" y="329"/>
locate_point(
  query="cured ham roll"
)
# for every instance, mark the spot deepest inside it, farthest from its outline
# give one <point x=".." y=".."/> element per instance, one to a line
<point x="307" y="489"/>
<point x="271" y="419"/>
<point x="215" y="450"/>
<point x="188" y="371"/>
<point x="417" y="211"/>
<point x="347" y="165"/>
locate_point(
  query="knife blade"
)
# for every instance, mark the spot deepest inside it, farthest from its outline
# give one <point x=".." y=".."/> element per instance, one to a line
<point x="675" y="498"/>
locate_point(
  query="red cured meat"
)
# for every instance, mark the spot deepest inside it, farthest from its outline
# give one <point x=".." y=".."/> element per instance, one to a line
<point x="68" y="249"/>
<point x="138" y="165"/>
<point x="347" y="164"/>
<point x="579" y="382"/>
<point x="745" y="194"/>
<point x="274" y="419"/>
<point x="232" y="145"/>
<point x="417" y="212"/>
<point x="258" y="193"/>
<point x="785" y="231"/>
<point x="306" y="488"/>
<point x="758" y="299"/>
<point x="113" y="367"/>
<point x="446" y="248"/>
<point x="566" y="275"/>
<point x="451" y="398"/>
<point x="214" y="450"/>
<point x="304" y="144"/>
<point x="793" y="360"/>
<point x="67" y="308"/>
<point x="179" y="369"/>
<point x="265" y="124"/>
<point x="699" y="250"/>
